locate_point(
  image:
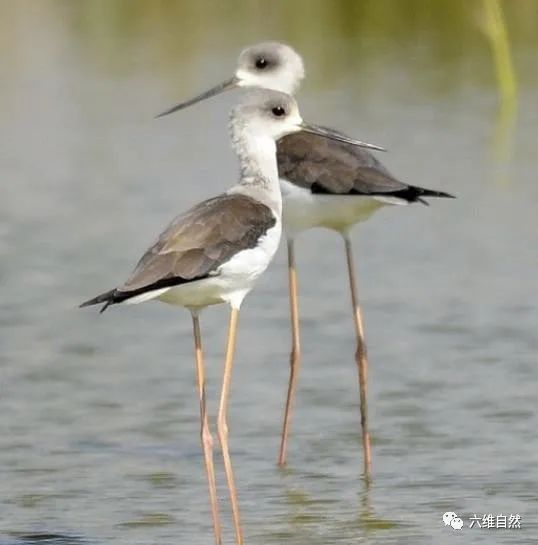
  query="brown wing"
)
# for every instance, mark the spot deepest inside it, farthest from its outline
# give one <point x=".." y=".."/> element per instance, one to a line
<point x="197" y="242"/>
<point x="329" y="166"/>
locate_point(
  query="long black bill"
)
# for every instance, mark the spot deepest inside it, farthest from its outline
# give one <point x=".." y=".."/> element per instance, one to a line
<point x="335" y="135"/>
<point x="220" y="88"/>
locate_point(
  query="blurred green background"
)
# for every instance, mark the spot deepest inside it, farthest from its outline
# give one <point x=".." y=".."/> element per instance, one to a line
<point x="341" y="35"/>
<point x="442" y="45"/>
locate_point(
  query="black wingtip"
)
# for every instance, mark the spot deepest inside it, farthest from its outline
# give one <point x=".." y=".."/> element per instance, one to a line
<point x="105" y="306"/>
<point x="441" y="194"/>
<point x="418" y="194"/>
<point x="107" y="298"/>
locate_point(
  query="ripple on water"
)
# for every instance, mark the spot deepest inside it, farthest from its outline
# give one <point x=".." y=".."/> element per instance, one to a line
<point x="148" y="520"/>
<point x="45" y="538"/>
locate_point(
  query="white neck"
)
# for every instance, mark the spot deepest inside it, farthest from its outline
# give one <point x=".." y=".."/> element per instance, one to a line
<point x="256" y="152"/>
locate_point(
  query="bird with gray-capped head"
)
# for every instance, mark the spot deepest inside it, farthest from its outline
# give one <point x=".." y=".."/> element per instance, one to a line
<point x="214" y="252"/>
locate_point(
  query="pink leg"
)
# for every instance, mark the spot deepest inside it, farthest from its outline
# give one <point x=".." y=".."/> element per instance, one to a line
<point x="295" y="355"/>
<point x="222" y="425"/>
<point x="207" y="440"/>
<point x="361" y="359"/>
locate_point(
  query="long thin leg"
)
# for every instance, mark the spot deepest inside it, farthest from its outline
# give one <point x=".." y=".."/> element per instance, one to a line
<point x="295" y="355"/>
<point x="205" y="434"/>
<point x="361" y="359"/>
<point x="222" y="424"/>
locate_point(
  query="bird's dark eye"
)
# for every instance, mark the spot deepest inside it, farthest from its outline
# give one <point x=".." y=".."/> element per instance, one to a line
<point x="261" y="63"/>
<point x="278" y="111"/>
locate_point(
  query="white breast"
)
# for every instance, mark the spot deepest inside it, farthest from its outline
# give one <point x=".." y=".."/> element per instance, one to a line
<point x="232" y="280"/>
<point x="240" y="273"/>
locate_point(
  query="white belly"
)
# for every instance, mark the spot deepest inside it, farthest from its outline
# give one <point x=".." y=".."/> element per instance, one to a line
<point x="231" y="281"/>
<point x="303" y="209"/>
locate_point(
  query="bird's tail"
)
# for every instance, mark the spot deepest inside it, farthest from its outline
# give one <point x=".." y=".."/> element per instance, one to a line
<point x="433" y="193"/>
<point x="109" y="298"/>
<point x="418" y="193"/>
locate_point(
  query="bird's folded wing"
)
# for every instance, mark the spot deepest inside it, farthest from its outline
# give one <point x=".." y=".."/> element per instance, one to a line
<point x="332" y="167"/>
<point x="197" y="242"/>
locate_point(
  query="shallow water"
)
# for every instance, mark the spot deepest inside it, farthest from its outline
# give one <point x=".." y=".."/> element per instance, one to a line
<point x="98" y="414"/>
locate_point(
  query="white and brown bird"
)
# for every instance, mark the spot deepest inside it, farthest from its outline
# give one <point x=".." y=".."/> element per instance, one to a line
<point x="324" y="183"/>
<point x="214" y="252"/>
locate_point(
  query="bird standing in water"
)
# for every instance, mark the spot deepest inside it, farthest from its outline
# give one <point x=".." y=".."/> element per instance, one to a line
<point x="324" y="183"/>
<point x="214" y="253"/>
